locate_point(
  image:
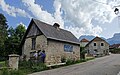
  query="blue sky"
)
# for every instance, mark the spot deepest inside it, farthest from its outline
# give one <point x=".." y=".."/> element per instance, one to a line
<point x="81" y="17"/>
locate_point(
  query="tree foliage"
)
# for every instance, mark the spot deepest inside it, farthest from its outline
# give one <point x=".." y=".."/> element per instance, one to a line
<point x="14" y="38"/>
<point x="10" y="39"/>
<point x="3" y="33"/>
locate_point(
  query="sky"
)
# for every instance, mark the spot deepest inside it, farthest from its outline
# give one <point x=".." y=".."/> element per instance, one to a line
<point x="81" y="17"/>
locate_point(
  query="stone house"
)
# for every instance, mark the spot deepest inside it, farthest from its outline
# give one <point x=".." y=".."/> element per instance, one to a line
<point x="56" y="42"/>
<point x="97" y="47"/>
<point x="83" y="42"/>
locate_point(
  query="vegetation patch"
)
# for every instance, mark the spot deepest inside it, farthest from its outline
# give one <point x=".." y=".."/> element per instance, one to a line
<point x="28" y="67"/>
<point x="115" y="51"/>
<point x="11" y="72"/>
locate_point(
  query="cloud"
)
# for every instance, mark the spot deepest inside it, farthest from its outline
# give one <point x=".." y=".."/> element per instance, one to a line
<point x="43" y="15"/>
<point x="76" y="15"/>
<point x="58" y="13"/>
<point x="11" y="10"/>
<point x="82" y="12"/>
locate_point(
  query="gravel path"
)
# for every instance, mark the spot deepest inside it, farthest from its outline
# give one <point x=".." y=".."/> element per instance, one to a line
<point x="108" y="65"/>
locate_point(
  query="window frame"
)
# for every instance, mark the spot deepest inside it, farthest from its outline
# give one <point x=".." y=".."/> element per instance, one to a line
<point x="68" y="48"/>
<point x="94" y="44"/>
<point x="102" y="44"/>
<point x="33" y="43"/>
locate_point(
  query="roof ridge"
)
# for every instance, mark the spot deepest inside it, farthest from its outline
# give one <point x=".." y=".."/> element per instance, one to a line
<point x="49" y="24"/>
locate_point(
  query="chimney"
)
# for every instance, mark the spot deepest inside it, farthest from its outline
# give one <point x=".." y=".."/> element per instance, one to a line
<point x="56" y="25"/>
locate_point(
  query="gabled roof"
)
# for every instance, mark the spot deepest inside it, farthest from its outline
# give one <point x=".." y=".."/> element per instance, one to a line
<point x="84" y="40"/>
<point x="53" y="33"/>
<point x="96" y="39"/>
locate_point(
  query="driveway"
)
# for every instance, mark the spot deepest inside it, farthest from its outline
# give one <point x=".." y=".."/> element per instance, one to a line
<point x="108" y="65"/>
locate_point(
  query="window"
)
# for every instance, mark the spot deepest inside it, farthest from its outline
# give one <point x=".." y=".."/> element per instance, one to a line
<point x="102" y="44"/>
<point x="94" y="44"/>
<point x="31" y="54"/>
<point x="68" y="48"/>
<point x="96" y="50"/>
<point x="33" y="43"/>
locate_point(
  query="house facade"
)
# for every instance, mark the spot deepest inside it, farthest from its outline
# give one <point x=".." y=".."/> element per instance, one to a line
<point x="83" y="42"/>
<point x="97" y="47"/>
<point x="56" y="42"/>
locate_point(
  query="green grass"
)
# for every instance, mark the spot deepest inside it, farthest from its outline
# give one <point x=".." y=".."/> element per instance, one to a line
<point x="2" y="64"/>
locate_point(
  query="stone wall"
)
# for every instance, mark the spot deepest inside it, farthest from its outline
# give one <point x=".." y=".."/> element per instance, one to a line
<point x="56" y="52"/>
<point x="41" y="44"/>
<point x="54" y="49"/>
<point x="98" y="47"/>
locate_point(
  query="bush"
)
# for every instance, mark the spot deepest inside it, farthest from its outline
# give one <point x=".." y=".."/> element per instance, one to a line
<point x="12" y="72"/>
<point x="4" y="72"/>
<point x="69" y="62"/>
<point x="38" y="67"/>
<point x="63" y="59"/>
<point x="25" y="64"/>
<point x="116" y="51"/>
<point x="31" y="66"/>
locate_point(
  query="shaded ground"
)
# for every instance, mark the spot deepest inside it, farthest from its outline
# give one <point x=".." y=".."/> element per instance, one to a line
<point x="108" y="65"/>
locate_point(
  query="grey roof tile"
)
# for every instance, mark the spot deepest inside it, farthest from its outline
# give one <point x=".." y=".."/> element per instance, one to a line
<point x="57" y="34"/>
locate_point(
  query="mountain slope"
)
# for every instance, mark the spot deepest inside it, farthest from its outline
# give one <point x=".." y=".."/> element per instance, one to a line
<point x="115" y="39"/>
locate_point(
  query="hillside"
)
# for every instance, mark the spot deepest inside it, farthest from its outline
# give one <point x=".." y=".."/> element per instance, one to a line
<point x="115" y="39"/>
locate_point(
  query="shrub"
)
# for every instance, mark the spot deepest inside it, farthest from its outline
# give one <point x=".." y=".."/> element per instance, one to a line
<point x="63" y="59"/>
<point x="69" y="62"/>
<point x="31" y="66"/>
<point x="38" y="67"/>
<point x="12" y="72"/>
<point x="116" y="51"/>
<point x="83" y="60"/>
<point x="4" y="72"/>
<point x="25" y="64"/>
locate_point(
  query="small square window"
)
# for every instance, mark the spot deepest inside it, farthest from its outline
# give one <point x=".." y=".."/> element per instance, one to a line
<point x="102" y="44"/>
<point x="96" y="50"/>
<point x="94" y="44"/>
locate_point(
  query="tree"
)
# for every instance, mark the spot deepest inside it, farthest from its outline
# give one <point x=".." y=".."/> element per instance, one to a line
<point x="3" y="33"/>
<point x="20" y="30"/>
<point x="3" y="29"/>
<point x="14" y="39"/>
<point x="19" y="33"/>
<point x="82" y="52"/>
